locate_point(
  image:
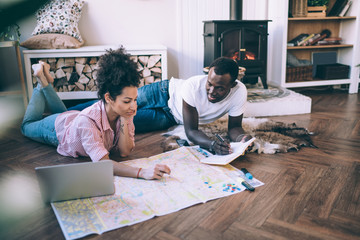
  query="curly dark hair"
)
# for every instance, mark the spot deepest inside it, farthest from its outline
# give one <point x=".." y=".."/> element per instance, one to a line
<point x="115" y="72"/>
<point x="224" y="65"/>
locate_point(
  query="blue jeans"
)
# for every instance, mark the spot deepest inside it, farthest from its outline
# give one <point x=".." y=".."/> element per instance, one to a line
<point x="153" y="112"/>
<point x="36" y="127"/>
<point x="84" y="105"/>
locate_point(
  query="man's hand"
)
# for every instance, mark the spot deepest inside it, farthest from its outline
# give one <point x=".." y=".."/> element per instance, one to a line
<point x="221" y="148"/>
<point x="245" y="138"/>
<point x="155" y="172"/>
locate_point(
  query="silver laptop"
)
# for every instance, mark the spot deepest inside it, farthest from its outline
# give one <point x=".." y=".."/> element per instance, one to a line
<point x="77" y="180"/>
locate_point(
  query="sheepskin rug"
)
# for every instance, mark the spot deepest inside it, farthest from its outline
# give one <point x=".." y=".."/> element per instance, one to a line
<point x="271" y="136"/>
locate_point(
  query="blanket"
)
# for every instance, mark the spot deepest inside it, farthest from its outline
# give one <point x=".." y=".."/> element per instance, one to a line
<point x="271" y="136"/>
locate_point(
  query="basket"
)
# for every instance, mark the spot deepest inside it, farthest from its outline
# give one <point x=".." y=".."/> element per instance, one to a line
<point x="299" y="74"/>
<point x="333" y="71"/>
<point x="319" y="11"/>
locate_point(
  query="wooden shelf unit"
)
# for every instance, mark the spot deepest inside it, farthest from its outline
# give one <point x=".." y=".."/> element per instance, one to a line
<point x="320" y="46"/>
<point x="347" y="27"/>
<point x="22" y="92"/>
<point x="321" y="18"/>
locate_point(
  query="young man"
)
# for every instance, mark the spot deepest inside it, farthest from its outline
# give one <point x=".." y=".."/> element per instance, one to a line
<point x="198" y="100"/>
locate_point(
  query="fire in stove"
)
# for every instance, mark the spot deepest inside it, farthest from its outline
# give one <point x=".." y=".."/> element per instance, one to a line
<point x="235" y="55"/>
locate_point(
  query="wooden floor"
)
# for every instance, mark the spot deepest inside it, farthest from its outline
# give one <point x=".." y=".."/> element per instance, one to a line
<point x="310" y="194"/>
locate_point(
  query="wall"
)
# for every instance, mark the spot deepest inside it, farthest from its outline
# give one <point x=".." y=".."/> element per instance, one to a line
<point x="190" y="29"/>
<point x="177" y="24"/>
<point x="116" y="22"/>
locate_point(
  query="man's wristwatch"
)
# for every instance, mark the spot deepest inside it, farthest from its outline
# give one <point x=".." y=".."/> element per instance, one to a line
<point x="211" y="148"/>
<point x="240" y="137"/>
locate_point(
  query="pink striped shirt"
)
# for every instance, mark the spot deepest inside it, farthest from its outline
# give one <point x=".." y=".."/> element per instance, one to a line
<point x="88" y="133"/>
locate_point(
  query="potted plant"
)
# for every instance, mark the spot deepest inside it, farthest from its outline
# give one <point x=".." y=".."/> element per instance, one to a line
<point x="11" y="33"/>
<point x="316" y="3"/>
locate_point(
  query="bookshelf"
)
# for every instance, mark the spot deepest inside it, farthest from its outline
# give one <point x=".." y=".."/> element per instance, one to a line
<point x="285" y="28"/>
<point x="22" y="92"/>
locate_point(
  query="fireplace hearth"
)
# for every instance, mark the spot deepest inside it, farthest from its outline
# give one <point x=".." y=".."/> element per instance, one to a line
<point x="245" y="41"/>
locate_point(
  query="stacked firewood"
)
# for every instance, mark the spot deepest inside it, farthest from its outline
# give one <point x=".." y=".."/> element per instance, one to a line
<point x="149" y="67"/>
<point x="79" y="73"/>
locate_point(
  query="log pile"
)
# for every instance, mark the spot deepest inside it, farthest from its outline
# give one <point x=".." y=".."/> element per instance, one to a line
<point x="79" y="73"/>
<point x="149" y="67"/>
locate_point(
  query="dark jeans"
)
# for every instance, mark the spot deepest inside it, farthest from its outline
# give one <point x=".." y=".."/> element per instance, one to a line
<point x="153" y="112"/>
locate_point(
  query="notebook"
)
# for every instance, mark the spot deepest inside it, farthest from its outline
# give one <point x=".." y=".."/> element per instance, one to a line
<point x="77" y="180"/>
<point x="238" y="150"/>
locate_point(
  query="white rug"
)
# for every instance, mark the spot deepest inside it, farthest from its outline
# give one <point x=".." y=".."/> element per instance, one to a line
<point x="276" y="101"/>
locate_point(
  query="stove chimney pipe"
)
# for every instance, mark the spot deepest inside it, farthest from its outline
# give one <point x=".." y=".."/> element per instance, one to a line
<point x="236" y="9"/>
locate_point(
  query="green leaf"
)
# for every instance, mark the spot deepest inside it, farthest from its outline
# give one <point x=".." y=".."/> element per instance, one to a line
<point x="318" y="2"/>
<point x="11" y="33"/>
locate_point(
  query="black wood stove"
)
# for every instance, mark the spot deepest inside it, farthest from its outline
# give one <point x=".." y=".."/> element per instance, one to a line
<point x="245" y="41"/>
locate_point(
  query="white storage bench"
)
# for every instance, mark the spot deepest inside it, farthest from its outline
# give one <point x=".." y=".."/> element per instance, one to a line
<point x="74" y="70"/>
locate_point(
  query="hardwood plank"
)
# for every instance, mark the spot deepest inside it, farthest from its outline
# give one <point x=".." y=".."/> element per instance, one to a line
<point x="242" y="231"/>
<point x="349" y="198"/>
<point x="230" y="209"/>
<point x="164" y="236"/>
<point x="226" y="213"/>
<point x="295" y="201"/>
<point x="345" y="219"/>
<point x="329" y="227"/>
<point x="144" y="230"/>
<point x="326" y="192"/>
<point x="187" y="220"/>
<point x="269" y="197"/>
<point x="294" y="231"/>
<point x="200" y="234"/>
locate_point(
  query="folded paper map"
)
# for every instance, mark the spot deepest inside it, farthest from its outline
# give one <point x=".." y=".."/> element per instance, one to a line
<point x="138" y="200"/>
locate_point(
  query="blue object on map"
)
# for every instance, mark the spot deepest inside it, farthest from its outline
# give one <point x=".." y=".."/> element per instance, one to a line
<point x="200" y="150"/>
<point x="247" y="174"/>
<point x="246" y="184"/>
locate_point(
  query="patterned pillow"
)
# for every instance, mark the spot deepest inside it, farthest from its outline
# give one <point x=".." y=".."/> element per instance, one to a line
<point x="60" y="16"/>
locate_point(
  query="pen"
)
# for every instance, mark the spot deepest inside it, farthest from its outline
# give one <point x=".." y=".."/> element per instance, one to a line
<point x="247" y="174"/>
<point x="220" y="138"/>
<point x="245" y="184"/>
<point x="202" y="152"/>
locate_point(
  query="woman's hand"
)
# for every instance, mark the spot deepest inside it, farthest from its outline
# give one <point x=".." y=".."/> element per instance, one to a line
<point x="155" y="172"/>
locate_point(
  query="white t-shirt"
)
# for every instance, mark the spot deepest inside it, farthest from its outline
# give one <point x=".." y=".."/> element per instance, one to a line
<point x="193" y="91"/>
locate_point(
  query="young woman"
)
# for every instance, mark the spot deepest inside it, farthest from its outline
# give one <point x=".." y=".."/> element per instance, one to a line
<point x="104" y="127"/>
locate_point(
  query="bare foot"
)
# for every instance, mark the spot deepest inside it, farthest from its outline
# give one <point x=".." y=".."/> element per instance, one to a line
<point x="46" y="69"/>
<point x="39" y="74"/>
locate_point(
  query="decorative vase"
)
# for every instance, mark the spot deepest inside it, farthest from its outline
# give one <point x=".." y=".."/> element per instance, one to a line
<point x="299" y="8"/>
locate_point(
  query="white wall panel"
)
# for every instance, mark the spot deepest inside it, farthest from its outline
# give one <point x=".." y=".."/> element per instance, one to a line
<point x="191" y="14"/>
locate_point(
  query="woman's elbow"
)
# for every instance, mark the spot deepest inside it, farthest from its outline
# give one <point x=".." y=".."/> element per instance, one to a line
<point x="124" y="154"/>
